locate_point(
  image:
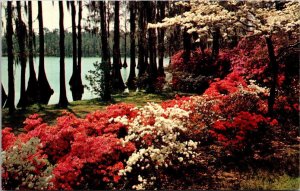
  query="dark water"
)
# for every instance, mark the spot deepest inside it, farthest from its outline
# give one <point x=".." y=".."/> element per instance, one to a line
<point x="52" y="72"/>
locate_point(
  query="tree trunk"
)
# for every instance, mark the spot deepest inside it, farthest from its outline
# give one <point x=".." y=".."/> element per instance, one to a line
<point x="21" y="34"/>
<point x="142" y="65"/>
<point x="63" y="100"/>
<point x="32" y="87"/>
<point x="152" y="47"/>
<point x="81" y="88"/>
<point x="106" y="95"/>
<point x="274" y="70"/>
<point x="79" y="37"/>
<point x="216" y="44"/>
<point x="161" y="36"/>
<point x="75" y="86"/>
<point x="4" y="95"/>
<point x="10" y="103"/>
<point x="45" y="90"/>
<point x="117" y="83"/>
<point x="125" y="39"/>
<point x="131" y="83"/>
<point x="186" y="46"/>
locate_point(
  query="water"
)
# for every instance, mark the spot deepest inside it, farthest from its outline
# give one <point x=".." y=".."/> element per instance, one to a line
<point x="52" y="72"/>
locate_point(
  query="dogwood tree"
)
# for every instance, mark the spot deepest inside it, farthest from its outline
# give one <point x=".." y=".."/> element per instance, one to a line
<point x="215" y="19"/>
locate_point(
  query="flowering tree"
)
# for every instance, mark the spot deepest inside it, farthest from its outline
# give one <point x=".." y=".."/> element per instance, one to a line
<point x="224" y="19"/>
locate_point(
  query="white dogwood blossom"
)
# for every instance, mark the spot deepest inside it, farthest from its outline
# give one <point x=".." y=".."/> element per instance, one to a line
<point x="257" y="17"/>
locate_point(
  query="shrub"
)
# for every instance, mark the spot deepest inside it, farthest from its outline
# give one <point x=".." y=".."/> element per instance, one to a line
<point x="196" y="75"/>
<point x="87" y="153"/>
<point x="156" y="133"/>
<point x="25" y="167"/>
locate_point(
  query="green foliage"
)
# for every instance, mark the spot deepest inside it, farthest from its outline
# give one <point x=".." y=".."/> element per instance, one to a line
<point x="266" y="181"/>
<point x="91" y="44"/>
<point x="95" y="79"/>
<point x="25" y="168"/>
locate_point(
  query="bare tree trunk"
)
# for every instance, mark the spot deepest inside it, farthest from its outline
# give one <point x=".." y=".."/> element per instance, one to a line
<point x="152" y="48"/>
<point x="106" y="95"/>
<point x="81" y="88"/>
<point x="75" y="86"/>
<point x="125" y="38"/>
<point x="274" y="68"/>
<point x="32" y="88"/>
<point x="10" y="103"/>
<point x="4" y="95"/>
<point x="142" y="64"/>
<point x="79" y="37"/>
<point x="63" y="100"/>
<point x="131" y="83"/>
<point x="161" y="36"/>
<point x="216" y="45"/>
<point x="187" y="46"/>
<point x="117" y="82"/>
<point x="21" y="34"/>
<point x="45" y="90"/>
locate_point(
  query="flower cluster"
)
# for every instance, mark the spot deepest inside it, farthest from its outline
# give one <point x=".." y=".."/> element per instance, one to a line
<point x="135" y="146"/>
<point x="8" y="138"/>
<point x="197" y="73"/>
<point x="233" y="132"/>
<point x="80" y="149"/>
<point x="230" y="84"/>
<point x="156" y="131"/>
<point x="24" y="167"/>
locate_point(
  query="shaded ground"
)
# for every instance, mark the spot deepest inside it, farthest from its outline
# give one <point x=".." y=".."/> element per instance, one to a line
<point x="80" y="108"/>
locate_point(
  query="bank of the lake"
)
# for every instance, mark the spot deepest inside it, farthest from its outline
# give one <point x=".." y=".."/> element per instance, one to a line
<point x="52" y="72"/>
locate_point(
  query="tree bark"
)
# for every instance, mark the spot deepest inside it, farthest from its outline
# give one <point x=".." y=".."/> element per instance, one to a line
<point x="106" y="95"/>
<point x="125" y="39"/>
<point x="4" y="95"/>
<point x="216" y="45"/>
<point x="117" y="83"/>
<point x="161" y="36"/>
<point x="274" y="74"/>
<point x="142" y="64"/>
<point x="81" y="88"/>
<point x="32" y="87"/>
<point x="10" y="103"/>
<point x="63" y="101"/>
<point x="131" y="83"/>
<point x="79" y="37"/>
<point x="75" y="85"/>
<point x="21" y="34"/>
<point x="152" y="47"/>
<point x="45" y="91"/>
<point x="186" y="46"/>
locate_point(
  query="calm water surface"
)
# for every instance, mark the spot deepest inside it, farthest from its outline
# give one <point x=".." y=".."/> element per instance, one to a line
<point x="52" y="72"/>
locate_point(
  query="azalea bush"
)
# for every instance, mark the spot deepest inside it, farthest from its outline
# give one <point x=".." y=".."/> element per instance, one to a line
<point x="86" y="153"/>
<point x="136" y="148"/>
<point x="197" y="73"/>
<point x="25" y="167"/>
<point x="250" y="59"/>
<point x="156" y="132"/>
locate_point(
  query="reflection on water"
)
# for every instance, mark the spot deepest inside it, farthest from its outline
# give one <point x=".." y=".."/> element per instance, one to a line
<point x="52" y="72"/>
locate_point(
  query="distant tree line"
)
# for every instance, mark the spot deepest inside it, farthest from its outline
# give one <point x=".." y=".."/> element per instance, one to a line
<point x="103" y="35"/>
<point x="91" y="44"/>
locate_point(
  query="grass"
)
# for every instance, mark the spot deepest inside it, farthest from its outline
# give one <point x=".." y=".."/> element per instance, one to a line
<point x="266" y="181"/>
<point x="80" y="108"/>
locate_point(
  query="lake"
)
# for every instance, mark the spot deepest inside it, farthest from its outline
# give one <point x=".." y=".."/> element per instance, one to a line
<point x="52" y="72"/>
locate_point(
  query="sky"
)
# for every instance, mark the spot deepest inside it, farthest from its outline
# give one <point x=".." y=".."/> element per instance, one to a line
<point x="50" y="15"/>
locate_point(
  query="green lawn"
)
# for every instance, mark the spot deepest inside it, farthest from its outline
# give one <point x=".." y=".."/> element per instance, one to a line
<point x="80" y="108"/>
